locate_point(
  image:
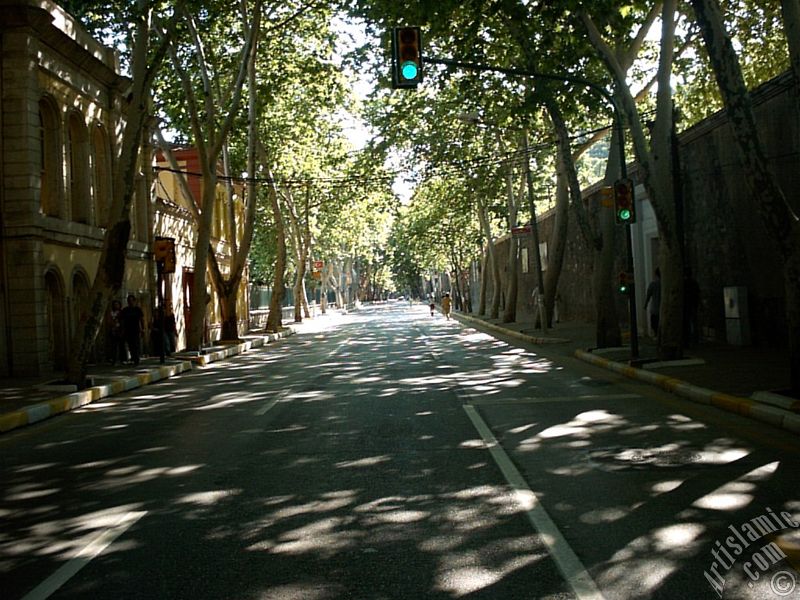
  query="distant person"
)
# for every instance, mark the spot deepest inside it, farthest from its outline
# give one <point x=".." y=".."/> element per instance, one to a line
<point x="691" y="306"/>
<point x="116" y="337"/>
<point x="132" y="319"/>
<point x="653" y="299"/>
<point x="432" y="307"/>
<point x="171" y="329"/>
<point x="446" y="306"/>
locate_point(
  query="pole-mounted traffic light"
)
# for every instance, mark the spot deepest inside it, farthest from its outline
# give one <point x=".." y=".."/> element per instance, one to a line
<point x="406" y="57"/>
<point x="624" y="282"/>
<point x="624" y="202"/>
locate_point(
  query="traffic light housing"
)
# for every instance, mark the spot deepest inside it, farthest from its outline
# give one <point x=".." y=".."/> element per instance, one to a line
<point x="624" y="202"/>
<point x="406" y="57"/>
<point x="624" y="283"/>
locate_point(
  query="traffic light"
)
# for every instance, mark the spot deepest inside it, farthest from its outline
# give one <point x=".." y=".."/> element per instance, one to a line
<point x="406" y="57"/>
<point x="624" y="202"/>
<point x="624" y="283"/>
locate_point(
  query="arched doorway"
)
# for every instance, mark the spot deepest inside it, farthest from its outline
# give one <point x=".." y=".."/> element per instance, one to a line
<point x="56" y="317"/>
<point x="80" y="293"/>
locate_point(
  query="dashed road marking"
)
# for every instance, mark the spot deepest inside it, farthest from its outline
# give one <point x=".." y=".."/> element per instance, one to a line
<point x="269" y="405"/>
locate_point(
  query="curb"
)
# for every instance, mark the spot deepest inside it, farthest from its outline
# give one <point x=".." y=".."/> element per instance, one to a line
<point x="502" y="330"/>
<point x="735" y="404"/>
<point x="55" y="406"/>
<point x="45" y="410"/>
<point x="203" y="360"/>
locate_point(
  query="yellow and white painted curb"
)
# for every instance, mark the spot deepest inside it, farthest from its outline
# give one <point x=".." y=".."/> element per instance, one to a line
<point x="54" y="406"/>
<point x="204" y="359"/>
<point x="742" y="406"/>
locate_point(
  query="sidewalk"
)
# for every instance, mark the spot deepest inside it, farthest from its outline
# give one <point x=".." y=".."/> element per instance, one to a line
<point x="728" y="377"/>
<point x="27" y="400"/>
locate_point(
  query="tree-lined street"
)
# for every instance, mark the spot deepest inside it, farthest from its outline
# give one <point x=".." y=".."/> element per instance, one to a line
<point x="357" y="459"/>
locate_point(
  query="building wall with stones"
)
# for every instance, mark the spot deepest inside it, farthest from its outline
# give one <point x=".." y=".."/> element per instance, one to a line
<point x="61" y="93"/>
<point x="725" y="241"/>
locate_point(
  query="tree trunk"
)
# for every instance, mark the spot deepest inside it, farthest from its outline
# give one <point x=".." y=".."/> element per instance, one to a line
<point x="494" y="267"/>
<point x="483" y="282"/>
<point x="558" y="245"/>
<point x="608" y="332"/>
<point x="767" y="197"/>
<point x="111" y="267"/>
<point x="512" y="284"/>
<point x="275" y="317"/>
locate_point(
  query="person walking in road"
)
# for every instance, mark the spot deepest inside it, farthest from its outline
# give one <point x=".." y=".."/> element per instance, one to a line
<point x="654" y="295"/>
<point x="132" y="319"/>
<point x="446" y="306"/>
<point x="432" y="306"/>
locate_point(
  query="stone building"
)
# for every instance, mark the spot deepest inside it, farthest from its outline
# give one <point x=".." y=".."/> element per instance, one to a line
<point x="61" y="92"/>
<point x="60" y="130"/>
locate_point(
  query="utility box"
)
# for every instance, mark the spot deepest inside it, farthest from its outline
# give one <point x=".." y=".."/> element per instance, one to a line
<point x="737" y="315"/>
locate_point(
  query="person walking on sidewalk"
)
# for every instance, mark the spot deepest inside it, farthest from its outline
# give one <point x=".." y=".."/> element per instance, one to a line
<point x="446" y="305"/>
<point x="132" y="319"/>
<point x="654" y="295"/>
<point x="116" y="340"/>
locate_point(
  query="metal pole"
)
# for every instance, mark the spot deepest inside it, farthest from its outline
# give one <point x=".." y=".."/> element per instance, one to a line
<point x="534" y="234"/>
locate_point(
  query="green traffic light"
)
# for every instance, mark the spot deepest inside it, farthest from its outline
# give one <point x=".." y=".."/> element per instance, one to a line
<point x="625" y="214"/>
<point x="409" y="70"/>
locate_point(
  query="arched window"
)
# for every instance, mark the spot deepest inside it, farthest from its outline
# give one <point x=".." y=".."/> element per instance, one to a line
<point x="78" y="152"/>
<point x="49" y="158"/>
<point x="101" y="172"/>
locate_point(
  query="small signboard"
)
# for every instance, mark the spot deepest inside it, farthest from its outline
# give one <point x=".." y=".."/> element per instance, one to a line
<point x="521" y="231"/>
<point x="318" y="264"/>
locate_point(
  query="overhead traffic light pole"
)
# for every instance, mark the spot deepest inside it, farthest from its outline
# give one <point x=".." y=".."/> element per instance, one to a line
<point x="565" y="78"/>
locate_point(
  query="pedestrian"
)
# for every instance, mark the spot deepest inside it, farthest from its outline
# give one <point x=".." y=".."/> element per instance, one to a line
<point x="171" y="329"/>
<point x="116" y="340"/>
<point x="446" y="305"/>
<point x="432" y="307"/>
<point x="654" y="295"/>
<point x="132" y="319"/>
<point x="691" y="306"/>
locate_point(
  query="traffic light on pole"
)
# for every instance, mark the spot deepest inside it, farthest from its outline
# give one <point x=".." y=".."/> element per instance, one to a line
<point x="406" y="57"/>
<point x="624" y="283"/>
<point x="624" y="203"/>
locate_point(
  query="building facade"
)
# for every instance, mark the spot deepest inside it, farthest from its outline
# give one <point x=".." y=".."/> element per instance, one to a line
<point x="60" y="130"/>
<point x="61" y="95"/>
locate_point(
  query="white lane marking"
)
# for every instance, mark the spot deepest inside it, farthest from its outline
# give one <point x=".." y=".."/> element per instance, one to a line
<point x="568" y="563"/>
<point x="84" y="556"/>
<point x="337" y="348"/>
<point x="268" y="406"/>
<point x="545" y="400"/>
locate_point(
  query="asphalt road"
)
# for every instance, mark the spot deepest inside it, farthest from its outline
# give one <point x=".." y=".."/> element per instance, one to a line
<point x="387" y="454"/>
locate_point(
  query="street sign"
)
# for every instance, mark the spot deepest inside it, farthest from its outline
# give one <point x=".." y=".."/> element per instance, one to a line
<point x="521" y="231"/>
<point x="318" y="264"/>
